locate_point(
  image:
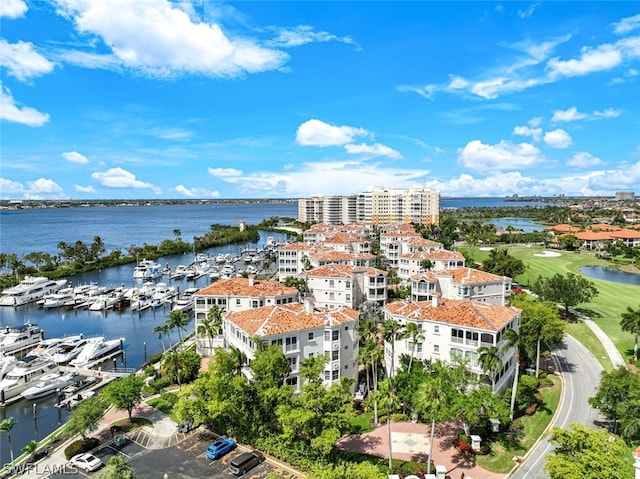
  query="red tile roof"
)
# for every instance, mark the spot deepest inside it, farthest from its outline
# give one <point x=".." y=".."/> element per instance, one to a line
<point x="241" y="287"/>
<point x="472" y="276"/>
<point x="473" y="314"/>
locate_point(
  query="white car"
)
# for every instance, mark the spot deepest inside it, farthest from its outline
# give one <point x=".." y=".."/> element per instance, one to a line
<point x="87" y="462"/>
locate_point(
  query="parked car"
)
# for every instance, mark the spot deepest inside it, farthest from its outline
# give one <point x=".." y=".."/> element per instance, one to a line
<point x="245" y="462"/>
<point x="220" y="448"/>
<point x="87" y="462"/>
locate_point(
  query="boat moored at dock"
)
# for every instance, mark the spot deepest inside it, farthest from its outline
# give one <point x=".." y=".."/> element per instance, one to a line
<point x="29" y="290"/>
<point x="23" y="375"/>
<point x="22" y="338"/>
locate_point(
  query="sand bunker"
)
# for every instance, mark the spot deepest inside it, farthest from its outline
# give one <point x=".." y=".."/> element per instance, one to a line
<point x="547" y="254"/>
<point x="485" y="248"/>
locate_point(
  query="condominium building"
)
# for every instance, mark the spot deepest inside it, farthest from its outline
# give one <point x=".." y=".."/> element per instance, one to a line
<point x="303" y="331"/>
<point x="379" y="206"/>
<point x="455" y="329"/>
<point x="335" y="285"/>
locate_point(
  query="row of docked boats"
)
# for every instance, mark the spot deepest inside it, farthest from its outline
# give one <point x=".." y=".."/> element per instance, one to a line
<point x="23" y="377"/>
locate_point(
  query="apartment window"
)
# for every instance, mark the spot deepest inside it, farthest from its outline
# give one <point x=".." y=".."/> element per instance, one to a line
<point x="348" y="297"/>
<point x="332" y="295"/>
<point x="293" y="381"/>
<point x="335" y="335"/>
<point x="327" y="375"/>
<point x="291" y="343"/>
<point x="237" y="301"/>
<point x="436" y="329"/>
<point x="311" y="336"/>
<point x="346" y="328"/>
<point x="335" y="355"/>
<point x="335" y="375"/>
<point x="277" y="341"/>
<point x="457" y="336"/>
<point x="436" y="349"/>
<point x="293" y="363"/>
<point x="348" y="284"/>
<point x="200" y="302"/>
<point x="327" y="336"/>
<point x="331" y="283"/>
<point x="254" y="304"/>
<point x="222" y="302"/>
<point x="456" y="353"/>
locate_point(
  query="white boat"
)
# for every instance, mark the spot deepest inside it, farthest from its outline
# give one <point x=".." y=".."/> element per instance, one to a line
<point x="105" y="301"/>
<point x="95" y="349"/>
<point x="147" y="269"/>
<point x="47" y="384"/>
<point x="21" y="338"/>
<point x="185" y="302"/>
<point x="7" y="363"/>
<point x="179" y="272"/>
<point x="30" y="289"/>
<point x="46" y="347"/>
<point x="24" y="374"/>
<point x="164" y="293"/>
<point x="58" y="299"/>
<point x="140" y="302"/>
<point x="68" y="350"/>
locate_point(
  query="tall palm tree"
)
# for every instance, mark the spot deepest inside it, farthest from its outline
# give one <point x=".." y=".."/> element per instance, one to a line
<point x="162" y="331"/>
<point x="630" y="323"/>
<point x="391" y="330"/>
<point x="174" y="366"/>
<point x="513" y="340"/>
<point x="429" y="400"/>
<point x="207" y="329"/>
<point x="5" y="427"/>
<point x="177" y="320"/>
<point x="215" y="316"/>
<point x="239" y="360"/>
<point x="414" y="333"/>
<point x="388" y="399"/>
<point x="491" y="362"/>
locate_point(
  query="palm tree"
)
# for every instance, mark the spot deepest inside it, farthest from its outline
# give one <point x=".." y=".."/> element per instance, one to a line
<point x="491" y="362"/>
<point x="206" y="329"/>
<point x="429" y="399"/>
<point x="215" y="316"/>
<point x="239" y="359"/>
<point x="513" y="340"/>
<point x="174" y="366"/>
<point x="391" y="330"/>
<point x="415" y="334"/>
<point x="388" y="399"/>
<point x="630" y="323"/>
<point x="179" y="320"/>
<point x="5" y="427"/>
<point x="31" y="449"/>
<point x="162" y="330"/>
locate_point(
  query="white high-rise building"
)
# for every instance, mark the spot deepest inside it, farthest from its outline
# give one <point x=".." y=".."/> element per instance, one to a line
<point x="379" y="206"/>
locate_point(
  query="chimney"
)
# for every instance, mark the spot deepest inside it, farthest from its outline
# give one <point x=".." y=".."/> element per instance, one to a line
<point x="308" y="304"/>
<point x="252" y="278"/>
<point x="435" y="300"/>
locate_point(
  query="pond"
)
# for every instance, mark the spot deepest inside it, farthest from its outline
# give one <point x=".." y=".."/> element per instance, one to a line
<point x="610" y="274"/>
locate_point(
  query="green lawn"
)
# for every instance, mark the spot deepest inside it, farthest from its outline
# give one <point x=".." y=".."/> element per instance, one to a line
<point x="605" y="309"/>
<point x="500" y="459"/>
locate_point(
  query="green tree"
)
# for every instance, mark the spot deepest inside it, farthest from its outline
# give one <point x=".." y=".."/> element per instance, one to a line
<point x="616" y="389"/>
<point x="125" y="393"/>
<point x="162" y="330"/>
<point x="490" y="362"/>
<point x="502" y="263"/>
<point x="414" y="333"/>
<point x="30" y="448"/>
<point x="630" y="323"/>
<point x="585" y="453"/>
<point x="569" y="290"/>
<point x="174" y="367"/>
<point x="5" y="428"/>
<point x="178" y="320"/>
<point x="388" y="400"/>
<point x="117" y="468"/>
<point x="426" y="264"/>
<point x="299" y="283"/>
<point x="86" y="417"/>
<point x="214" y="315"/>
<point x="392" y="330"/>
<point x="516" y="341"/>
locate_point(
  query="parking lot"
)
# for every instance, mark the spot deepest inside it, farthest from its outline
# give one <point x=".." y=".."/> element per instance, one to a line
<point x="184" y="460"/>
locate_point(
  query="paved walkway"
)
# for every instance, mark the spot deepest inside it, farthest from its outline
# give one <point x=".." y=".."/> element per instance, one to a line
<point x="410" y="442"/>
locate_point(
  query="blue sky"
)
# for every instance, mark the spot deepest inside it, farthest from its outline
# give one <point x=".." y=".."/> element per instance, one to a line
<point x="199" y="99"/>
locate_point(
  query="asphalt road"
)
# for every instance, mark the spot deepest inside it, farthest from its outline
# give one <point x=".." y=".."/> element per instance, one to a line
<point x="580" y="373"/>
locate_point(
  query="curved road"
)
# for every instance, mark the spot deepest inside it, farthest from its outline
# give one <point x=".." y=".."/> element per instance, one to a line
<point x="580" y="373"/>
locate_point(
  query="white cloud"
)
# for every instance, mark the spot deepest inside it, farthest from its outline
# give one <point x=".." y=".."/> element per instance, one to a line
<point x="303" y="34"/>
<point x="22" y="61"/>
<point x="12" y="8"/>
<point x="172" y="133"/>
<point x="318" y="133"/>
<point x="526" y="13"/>
<point x="160" y="39"/>
<point x="424" y="91"/>
<point x="9" y="188"/>
<point x="572" y="114"/>
<point x="627" y="24"/>
<point x="503" y="156"/>
<point x="25" y="115"/>
<point x="40" y="189"/>
<point x="558" y="138"/>
<point x="84" y="189"/>
<point x="535" y="122"/>
<point x="224" y="172"/>
<point x="376" y="149"/>
<point x="583" y="160"/>
<point x="534" y="133"/>
<point x="196" y="192"/>
<point x="120" y="178"/>
<point x="602" y="57"/>
<point x="75" y="157"/>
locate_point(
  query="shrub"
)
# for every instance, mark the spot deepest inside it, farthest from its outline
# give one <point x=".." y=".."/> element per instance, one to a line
<point x="155" y="358"/>
<point x="80" y="446"/>
<point x="463" y="446"/>
<point x="159" y="384"/>
<point x="149" y="371"/>
<point x="171" y="398"/>
<point x="399" y="417"/>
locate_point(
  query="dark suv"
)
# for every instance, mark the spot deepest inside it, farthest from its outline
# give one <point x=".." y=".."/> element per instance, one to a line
<point x="244" y="462"/>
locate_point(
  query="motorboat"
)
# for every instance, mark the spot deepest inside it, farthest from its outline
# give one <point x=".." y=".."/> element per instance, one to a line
<point x="58" y="299"/>
<point x="164" y="293"/>
<point x="24" y="374"/>
<point x="21" y="338"/>
<point x="147" y="269"/>
<point x="47" y="385"/>
<point x="30" y="289"/>
<point x="106" y="301"/>
<point x="68" y="350"/>
<point x="46" y="347"/>
<point x="7" y="363"/>
<point x="179" y="272"/>
<point x="140" y="302"/>
<point x="185" y="302"/>
<point x="96" y="349"/>
<point x="78" y="382"/>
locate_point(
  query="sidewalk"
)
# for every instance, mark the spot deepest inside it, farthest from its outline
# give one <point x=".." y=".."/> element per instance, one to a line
<point x="162" y="434"/>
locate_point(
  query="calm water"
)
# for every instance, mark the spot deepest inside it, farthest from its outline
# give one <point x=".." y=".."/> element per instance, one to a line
<point x="25" y="231"/>
<point x="610" y="274"/>
<point x="523" y="224"/>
